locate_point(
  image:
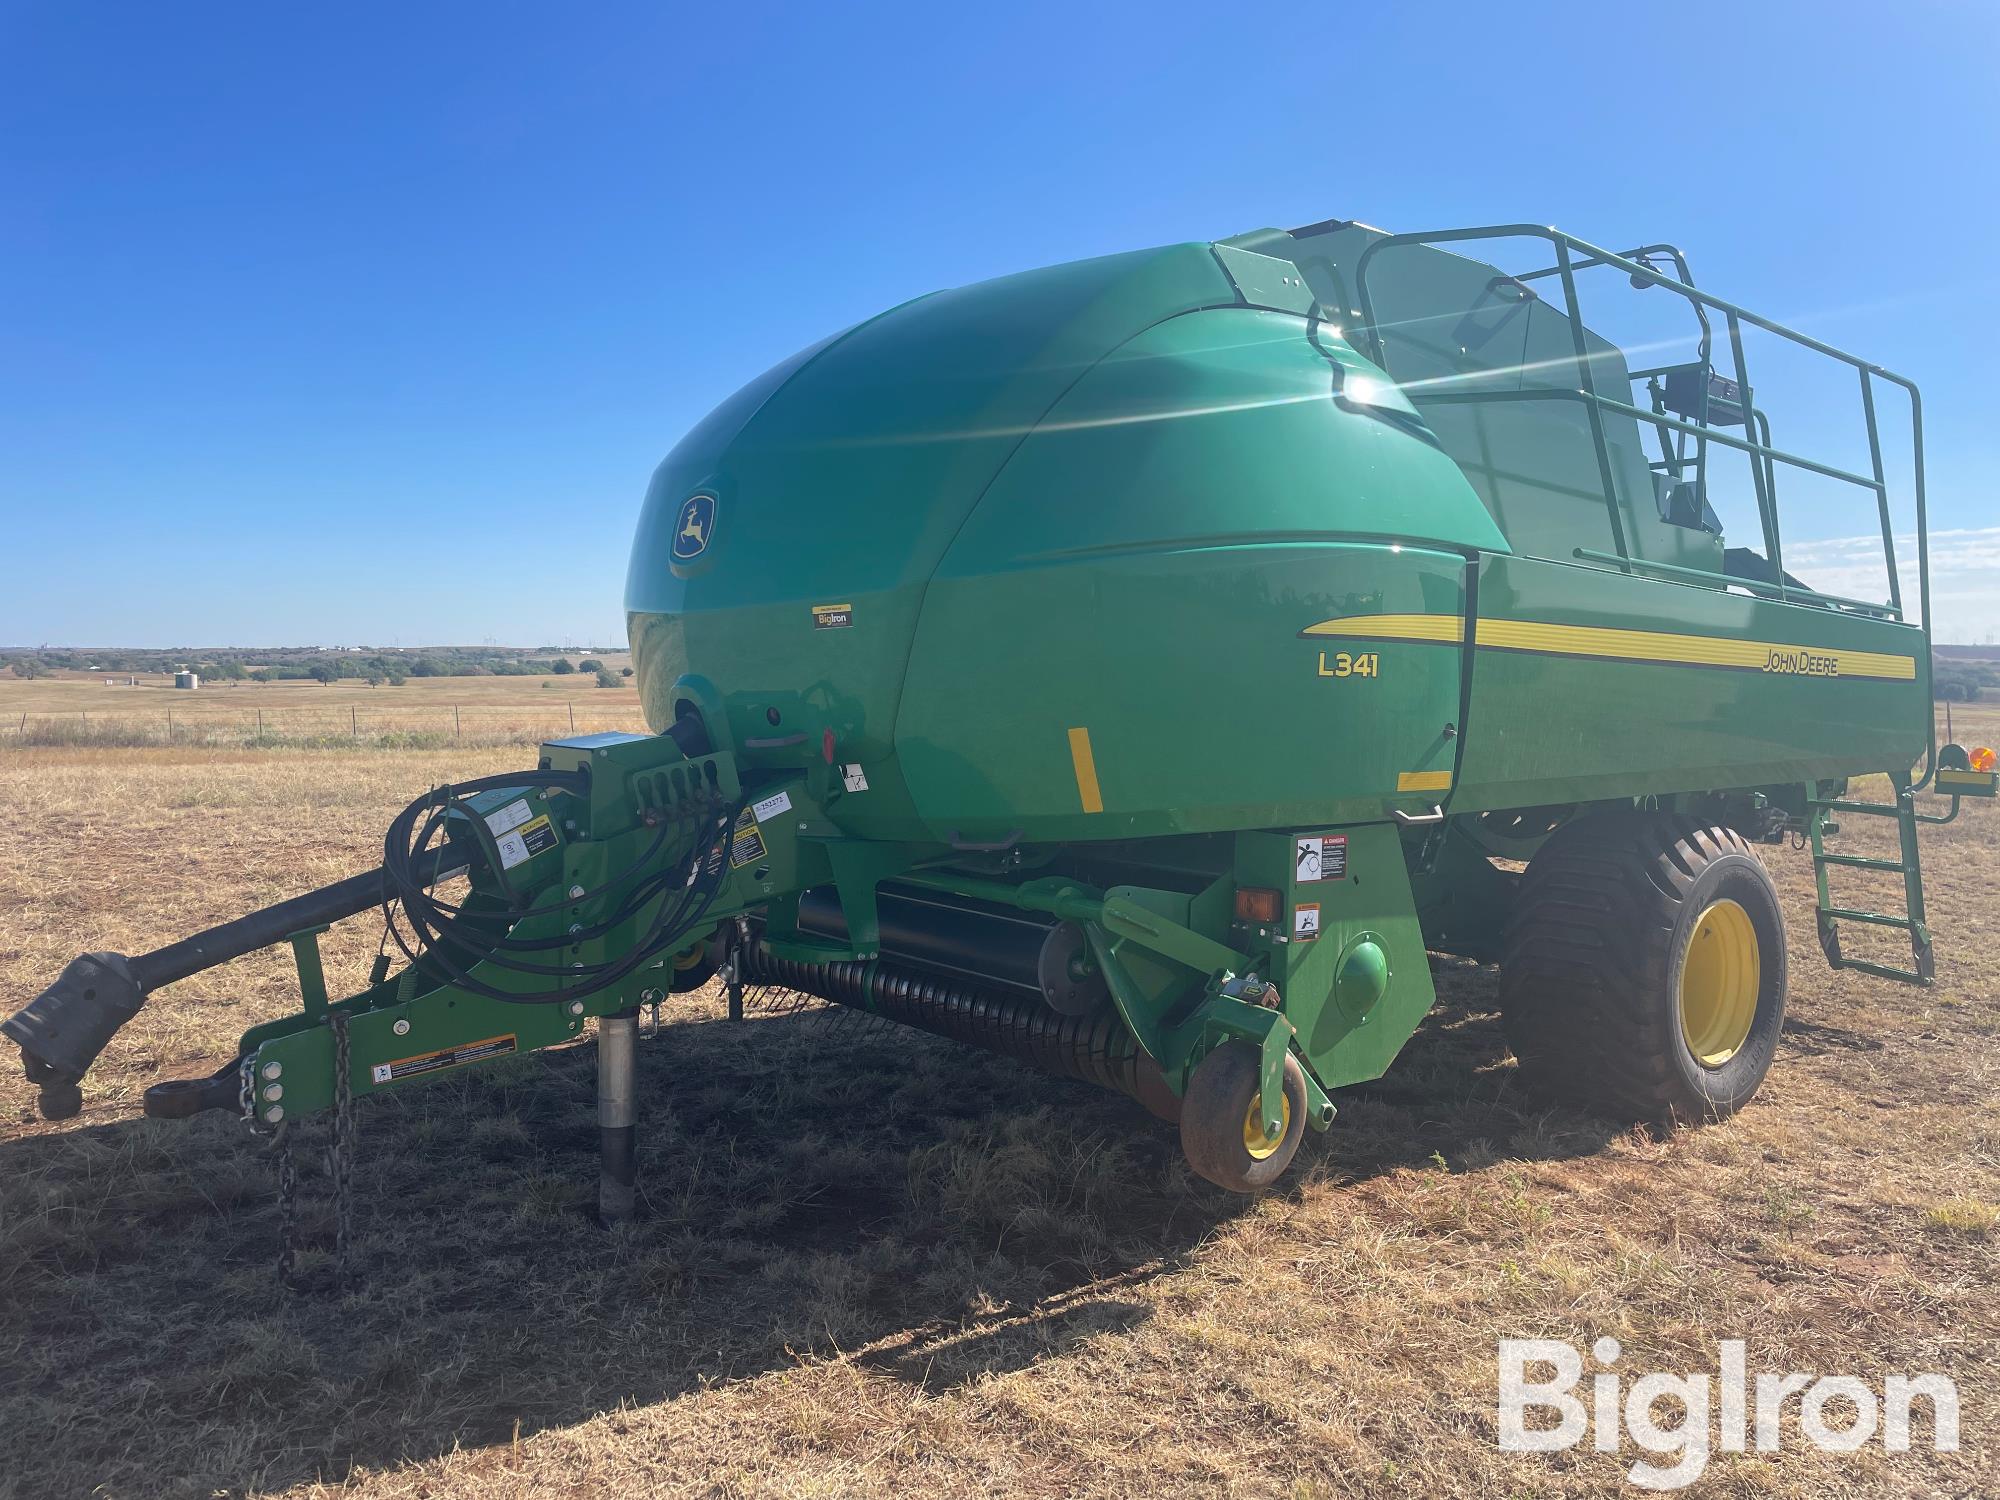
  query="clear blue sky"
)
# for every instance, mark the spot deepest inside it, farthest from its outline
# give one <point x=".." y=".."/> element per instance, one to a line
<point x="365" y="323"/>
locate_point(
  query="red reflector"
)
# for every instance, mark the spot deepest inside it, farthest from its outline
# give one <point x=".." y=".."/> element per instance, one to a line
<point x="1255" y="903"/>
<point x="826" y="746"/>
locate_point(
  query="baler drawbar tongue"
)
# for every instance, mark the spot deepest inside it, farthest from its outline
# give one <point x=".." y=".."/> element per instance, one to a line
<point x="62" y="1031"/>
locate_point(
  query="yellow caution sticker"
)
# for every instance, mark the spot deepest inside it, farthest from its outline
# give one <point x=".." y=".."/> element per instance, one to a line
<point x="444" y="1057"/>
<point x="746" y="845"/>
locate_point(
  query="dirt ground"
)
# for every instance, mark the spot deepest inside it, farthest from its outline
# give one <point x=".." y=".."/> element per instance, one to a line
<point x="870" y="1261"/>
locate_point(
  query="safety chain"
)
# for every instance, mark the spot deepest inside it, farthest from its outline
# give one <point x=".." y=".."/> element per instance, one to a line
<point x="288" y="1210"/>
<point x="340" y="1152"/>
<point x="339" y="1169"/>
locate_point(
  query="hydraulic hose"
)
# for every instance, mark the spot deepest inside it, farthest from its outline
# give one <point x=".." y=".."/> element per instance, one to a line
<point x="440" y="933"/>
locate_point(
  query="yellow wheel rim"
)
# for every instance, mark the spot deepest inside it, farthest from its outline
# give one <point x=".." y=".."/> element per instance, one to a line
<point x="1719" y="983"/>
<point x="691" y="959"/>
<point x="1261" y="1146"/>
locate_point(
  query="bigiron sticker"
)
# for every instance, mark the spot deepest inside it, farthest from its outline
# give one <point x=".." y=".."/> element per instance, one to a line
<point x="444" y="1057"/>
<point x="1319" y="857"/>
<point x="832" y="616"/>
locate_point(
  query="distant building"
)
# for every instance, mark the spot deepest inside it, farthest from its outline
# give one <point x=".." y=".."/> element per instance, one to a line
<point x="187" y="679"/>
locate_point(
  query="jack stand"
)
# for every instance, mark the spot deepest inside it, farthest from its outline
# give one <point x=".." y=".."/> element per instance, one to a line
<point x="732" y="970"/>
<point x="617" y="1116"/>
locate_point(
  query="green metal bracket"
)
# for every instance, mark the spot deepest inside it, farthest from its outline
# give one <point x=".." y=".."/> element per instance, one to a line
<point x="394" y="1044"/>
<point x="312" y="972"/>
<point x="1124" y="914"/>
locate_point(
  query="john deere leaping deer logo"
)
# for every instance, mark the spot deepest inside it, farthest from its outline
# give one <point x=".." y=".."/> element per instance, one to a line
<point x="694" y="526"/>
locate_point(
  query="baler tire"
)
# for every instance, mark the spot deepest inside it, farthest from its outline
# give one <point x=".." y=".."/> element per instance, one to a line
<point x="1595" y="960"/>
<point x="1220" y="1094"/>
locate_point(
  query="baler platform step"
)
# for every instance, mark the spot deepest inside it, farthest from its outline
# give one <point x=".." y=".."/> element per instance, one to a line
<point x="1829" y="916"/>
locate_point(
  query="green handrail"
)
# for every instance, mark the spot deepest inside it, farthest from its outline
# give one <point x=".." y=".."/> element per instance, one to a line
<point x="1643" y="274"/>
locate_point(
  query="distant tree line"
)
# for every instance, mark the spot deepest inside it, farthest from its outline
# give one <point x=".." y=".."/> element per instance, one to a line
<point x="294" y="664"/>
<point x="1956" y="685"/>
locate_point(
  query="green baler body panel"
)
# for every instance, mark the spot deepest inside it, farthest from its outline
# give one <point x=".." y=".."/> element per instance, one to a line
<point x="1067" y="500"/>
<point x="1157" y="499"/>
<point x="1561" y="724"/>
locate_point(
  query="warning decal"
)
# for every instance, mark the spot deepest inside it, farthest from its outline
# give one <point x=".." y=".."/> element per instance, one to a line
<point x="746" y="847"/>
<point x="1305" y="921"/>
<point x="446" y="1057"/>
<point x="525" y="842"/>
<point x="1321" y="857"/>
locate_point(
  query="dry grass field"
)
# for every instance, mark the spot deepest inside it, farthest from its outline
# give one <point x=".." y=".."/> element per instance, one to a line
<point x="874" y="1262"/>
<point x="85" y="709"/>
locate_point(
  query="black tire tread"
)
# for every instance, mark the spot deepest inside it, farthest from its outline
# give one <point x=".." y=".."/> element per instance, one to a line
<point x="1591" y="932"/>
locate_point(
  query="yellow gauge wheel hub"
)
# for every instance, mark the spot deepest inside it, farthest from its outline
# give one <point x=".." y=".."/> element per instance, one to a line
<point x="691" y="959"/>
<point x="1720" y="978"/>
<point x="1261" y="1146"/>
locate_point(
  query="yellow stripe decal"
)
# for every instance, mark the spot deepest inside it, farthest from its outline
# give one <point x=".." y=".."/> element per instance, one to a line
<point x="1424" y="781"/>
<point x="1393" y="627"/>
<point x="1629" y="645"/>
<point x="1086" y="770"/>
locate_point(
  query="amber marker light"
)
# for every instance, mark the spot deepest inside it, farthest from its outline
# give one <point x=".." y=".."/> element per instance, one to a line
<point x="1256" y="903"/>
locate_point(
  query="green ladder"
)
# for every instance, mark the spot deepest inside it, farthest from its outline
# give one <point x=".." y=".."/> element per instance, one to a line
<point x="1904" y="811"/>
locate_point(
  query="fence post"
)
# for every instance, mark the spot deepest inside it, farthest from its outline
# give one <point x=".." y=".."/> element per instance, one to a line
<point x="170" y="723"/>
<point x="572" y="718"/>
<point x="260" y="723"/>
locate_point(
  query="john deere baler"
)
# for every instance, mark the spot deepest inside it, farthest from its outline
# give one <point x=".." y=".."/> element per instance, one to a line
<point x="1136" y="667"/>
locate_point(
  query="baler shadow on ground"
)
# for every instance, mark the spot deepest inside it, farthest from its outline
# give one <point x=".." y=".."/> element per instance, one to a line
<point x="814" y="1186"/>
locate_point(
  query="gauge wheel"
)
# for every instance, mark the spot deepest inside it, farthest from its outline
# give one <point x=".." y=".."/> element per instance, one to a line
<point x="694" y="966"/>
<point x="1222" y="1130"/>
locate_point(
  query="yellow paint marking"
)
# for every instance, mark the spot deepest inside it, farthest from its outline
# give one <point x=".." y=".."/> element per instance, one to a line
<point x="1086" y="770"/>
<point x="1424" y="781"/>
